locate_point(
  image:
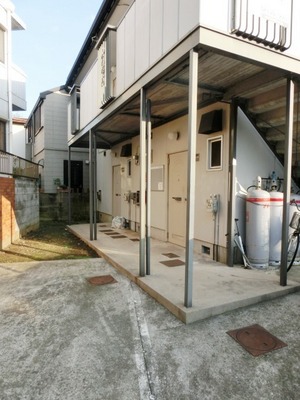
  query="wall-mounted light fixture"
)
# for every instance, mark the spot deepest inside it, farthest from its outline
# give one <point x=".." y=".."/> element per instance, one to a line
<point x="173" y="135"/>
<point x="136" y="158"/>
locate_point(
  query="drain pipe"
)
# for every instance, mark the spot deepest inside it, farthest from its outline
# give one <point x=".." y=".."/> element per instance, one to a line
<point x="142" y="178"/>
<point x="148" y="214"/>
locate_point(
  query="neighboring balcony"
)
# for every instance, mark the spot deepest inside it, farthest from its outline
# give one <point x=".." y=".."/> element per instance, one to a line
<point x="18" y="78"/>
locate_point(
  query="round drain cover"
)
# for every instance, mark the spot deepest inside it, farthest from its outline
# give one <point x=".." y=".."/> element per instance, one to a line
<point x="101" y="280"/>
<point x="256" y="339"/>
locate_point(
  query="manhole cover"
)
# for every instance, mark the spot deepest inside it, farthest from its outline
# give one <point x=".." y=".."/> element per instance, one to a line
<point x="118" y="236"/>
<point x="256" y="340"/>
<point x="172" y="263"/>
<point x="170" y="255"/>
<point x="105" y="230"/>
<point x="135" y="240"/>
<point x="101" y="280"/>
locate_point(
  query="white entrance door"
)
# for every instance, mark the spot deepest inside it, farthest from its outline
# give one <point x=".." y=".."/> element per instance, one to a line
<point x="116" y="191"/>
<point x="177" y="197"/>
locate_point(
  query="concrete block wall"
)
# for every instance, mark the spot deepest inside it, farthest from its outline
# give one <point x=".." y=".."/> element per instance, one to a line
<point x="26" y="205"/>
<point x="19" y="209"/>
<point x="7" y="216"/>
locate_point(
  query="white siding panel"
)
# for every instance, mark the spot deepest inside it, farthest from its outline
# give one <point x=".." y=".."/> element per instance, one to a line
<point x="89" y="103"/>
<point x="120" y="73"/>
<point x="129" y="45"/>
<point x="216" y="15"/>
<point x="189" y="16"/>
<point x="170" y="24"/>
<point x="142" y="34"/>
<point x="156" y="29"/>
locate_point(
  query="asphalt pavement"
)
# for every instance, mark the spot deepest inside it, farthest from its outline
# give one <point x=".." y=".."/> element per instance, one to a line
<point x="63" y="338"/>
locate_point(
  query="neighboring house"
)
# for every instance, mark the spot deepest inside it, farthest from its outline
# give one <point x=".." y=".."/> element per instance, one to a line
<point x="19" y="199"/>
<point x="47" y="129"/>
<point x="12" y="79"/>
<point x="18" y="137"/>
<point x="207" y="91"/>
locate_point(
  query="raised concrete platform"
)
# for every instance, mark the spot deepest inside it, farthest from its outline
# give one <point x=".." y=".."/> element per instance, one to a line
<point x="217" y="288"/>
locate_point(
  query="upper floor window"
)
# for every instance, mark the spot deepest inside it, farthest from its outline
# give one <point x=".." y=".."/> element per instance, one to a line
<point x="37" y="120"/>
<point x="75" y="109"/>
<point x="107" y="66"/>
<point x="30" y="133"/>
<point x="2" y="45"/>
<point x="35" y="123"/>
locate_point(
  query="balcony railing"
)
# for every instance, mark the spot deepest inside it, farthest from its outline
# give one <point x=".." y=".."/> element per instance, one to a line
<point x="11" y="164"/>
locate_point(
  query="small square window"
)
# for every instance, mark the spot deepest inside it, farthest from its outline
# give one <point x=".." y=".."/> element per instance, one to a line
<point x="214" y="153"/>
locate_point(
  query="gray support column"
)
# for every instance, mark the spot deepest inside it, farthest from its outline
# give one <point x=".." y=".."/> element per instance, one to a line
<point x="142" y="179"/>
<point x="95" y="186"/>
<point x="69" y="188"/>
<point x="232" y="182"/>
<point x="148" y="202"/>
<point x="287" y="178"/>
<point x="190" y="213"/>
<point x="91" y="183"/>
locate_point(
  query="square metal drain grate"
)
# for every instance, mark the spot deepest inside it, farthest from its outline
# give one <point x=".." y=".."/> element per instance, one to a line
<point x="101" y="280"/>
<point x="105" y="230"/>
<point x="135" y="240"/>
<point x="172" y="263"/>
<point x="118" y="236"/>
<point x="170" y="255"/>
<point x="256" y="340"/>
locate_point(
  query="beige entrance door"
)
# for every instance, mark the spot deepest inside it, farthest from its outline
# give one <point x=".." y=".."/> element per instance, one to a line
<point x="116" y="209"/>
<point x="177" y="197"/>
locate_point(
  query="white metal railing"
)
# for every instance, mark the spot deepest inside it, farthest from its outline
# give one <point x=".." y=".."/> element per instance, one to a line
<point x="11" y="164"/>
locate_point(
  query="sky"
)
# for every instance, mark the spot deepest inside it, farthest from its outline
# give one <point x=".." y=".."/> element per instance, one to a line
<point x="47" y="49"/>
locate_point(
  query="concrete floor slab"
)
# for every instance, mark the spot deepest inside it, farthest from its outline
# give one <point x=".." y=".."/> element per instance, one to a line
<point x="217" y="288"/>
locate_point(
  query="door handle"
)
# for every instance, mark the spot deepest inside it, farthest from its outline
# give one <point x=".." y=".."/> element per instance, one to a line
<point x="177" y="198"/>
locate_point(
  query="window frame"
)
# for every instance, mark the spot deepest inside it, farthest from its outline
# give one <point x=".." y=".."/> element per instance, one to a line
<point x="211" y="166"/>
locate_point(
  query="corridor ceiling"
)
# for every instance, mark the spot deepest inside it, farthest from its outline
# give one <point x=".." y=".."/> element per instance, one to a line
<point x="260" y="90"/>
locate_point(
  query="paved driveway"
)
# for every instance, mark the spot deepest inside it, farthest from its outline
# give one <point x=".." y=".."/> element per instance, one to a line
<point x="63" y="338"/>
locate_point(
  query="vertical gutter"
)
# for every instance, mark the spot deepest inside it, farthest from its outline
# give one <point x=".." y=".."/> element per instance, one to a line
<point x="9" y="78"/>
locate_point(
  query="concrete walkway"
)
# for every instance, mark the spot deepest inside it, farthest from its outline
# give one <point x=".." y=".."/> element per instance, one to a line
<point x="216" y="287"/>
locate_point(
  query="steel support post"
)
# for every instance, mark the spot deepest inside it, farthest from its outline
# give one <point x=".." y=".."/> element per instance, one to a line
<point x="190" y="213"/>
<point x="69" y="187"/>
<point x="95" y="185"/>
<point x="142" y="179"/>
<point x="290" y="93"/>
<point x="148" y="202"/>
<point x="232" y="182"/>
<point x="91" y="183"/>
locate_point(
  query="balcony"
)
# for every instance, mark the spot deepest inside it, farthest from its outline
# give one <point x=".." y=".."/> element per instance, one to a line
<point x="11" y="164"/>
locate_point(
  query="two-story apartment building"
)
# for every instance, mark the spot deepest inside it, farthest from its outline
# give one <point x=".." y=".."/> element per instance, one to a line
<point x="46" y="131"/>
<point x="185" y="106"/>
<point x="19" y="199"/>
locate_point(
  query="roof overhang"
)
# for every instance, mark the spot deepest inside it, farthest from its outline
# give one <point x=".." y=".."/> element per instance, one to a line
<point x="234" y="69"/>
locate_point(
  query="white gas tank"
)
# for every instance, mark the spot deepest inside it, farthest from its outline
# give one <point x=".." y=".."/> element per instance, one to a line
<point x="258" y="227"/>
<point x="276" y="212"/>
